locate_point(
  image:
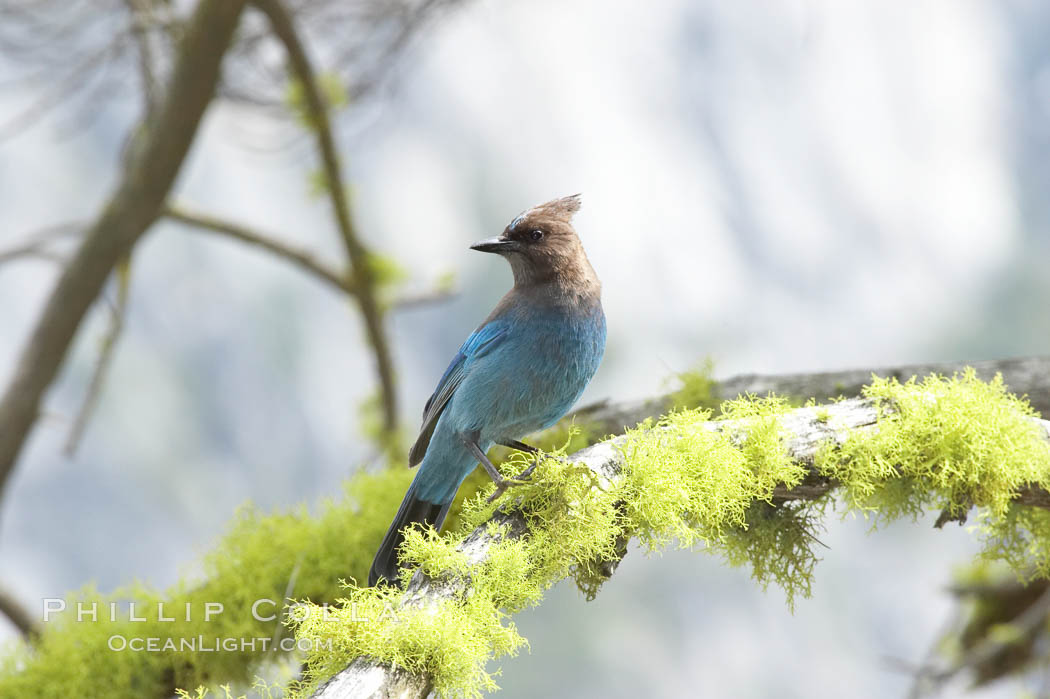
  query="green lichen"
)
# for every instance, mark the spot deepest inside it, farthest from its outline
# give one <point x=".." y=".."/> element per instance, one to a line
<point x="778" y="546"/>
<point x="680" y="482"/>
<point x="1021" y="538"/>
<point x="445" y="641"/>
<point x="261" y="689"/>
<point x="453" y="640"/>
<point x="687" y="484"/>
<point x="949" y="443"/>
<point x="697" y="388"/>
<point x="691" y="484"/>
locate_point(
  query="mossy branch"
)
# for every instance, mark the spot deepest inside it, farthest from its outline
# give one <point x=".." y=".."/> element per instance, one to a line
<point x="742" y="486"/>
<point x="952" y="443"/>
<point x="1028" y="376"/>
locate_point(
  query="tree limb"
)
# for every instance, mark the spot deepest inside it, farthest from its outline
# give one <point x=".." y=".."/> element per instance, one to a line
<point x="360" y="257"/>
<point x="31" y="249"/>
<point x="18" y="615"/>
<point x="304" y="259"/>
<point x="297" y="256"/>
<point x="806" y="430"/>
<point x="133" y="208"/>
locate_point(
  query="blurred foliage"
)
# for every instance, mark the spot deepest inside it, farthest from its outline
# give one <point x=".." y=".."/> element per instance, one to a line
<point x="391" y="443"/>
<point x="333" y="92"/>
<point x="289" y="554"/>
<point x="1001" y="628"/>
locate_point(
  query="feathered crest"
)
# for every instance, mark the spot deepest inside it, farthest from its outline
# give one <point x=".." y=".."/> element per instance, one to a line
<point x="557" y="209"/>
<point x="563" y="209"/>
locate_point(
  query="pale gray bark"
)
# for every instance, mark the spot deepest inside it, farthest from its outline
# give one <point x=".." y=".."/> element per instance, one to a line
<point x="809" y="429"/>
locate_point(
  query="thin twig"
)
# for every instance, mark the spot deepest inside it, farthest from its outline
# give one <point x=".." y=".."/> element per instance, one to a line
<point x="36" y="244"/>
<point x="141" y="12"/>
<point x="297" y="256"/>
<point x="360" y="257"/>
<point x="409" y="28"/>
<point x="289" y="590"/>
<point x="105" y="358"/>
<point x="29" y="250"/>
<point x="304" y="259"/>
<point x="58" y="90"/>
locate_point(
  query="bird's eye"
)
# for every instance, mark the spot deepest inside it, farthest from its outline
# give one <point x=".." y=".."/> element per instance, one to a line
<point x="536" y="235"/>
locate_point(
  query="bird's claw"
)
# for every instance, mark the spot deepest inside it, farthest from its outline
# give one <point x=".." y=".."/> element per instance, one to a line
<point x="524" y="475"/>
<point x="503" y="484"/>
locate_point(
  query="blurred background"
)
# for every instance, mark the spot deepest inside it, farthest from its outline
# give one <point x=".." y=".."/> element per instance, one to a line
<point x="780" y="186"/>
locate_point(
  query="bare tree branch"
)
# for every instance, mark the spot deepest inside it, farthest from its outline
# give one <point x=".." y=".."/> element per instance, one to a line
<point x="360" y="257"/>
<point x="18" y="615"/>
<point x="133" y="208"/>
<point x="304" y="259"/>
<point x="31" y="250"/>
<point x="808" y="429"/>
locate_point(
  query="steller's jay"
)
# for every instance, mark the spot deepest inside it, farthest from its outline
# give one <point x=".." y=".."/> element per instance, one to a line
<point x="519" y="372"/>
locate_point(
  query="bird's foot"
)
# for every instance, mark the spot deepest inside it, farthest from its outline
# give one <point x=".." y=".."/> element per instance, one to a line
<point x="504" y="484"/>
<point x="523" y="478"/>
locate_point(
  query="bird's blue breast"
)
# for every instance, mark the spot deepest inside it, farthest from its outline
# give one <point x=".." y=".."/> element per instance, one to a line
<point x="521" y="371"/>
<point x="534" y="376"/>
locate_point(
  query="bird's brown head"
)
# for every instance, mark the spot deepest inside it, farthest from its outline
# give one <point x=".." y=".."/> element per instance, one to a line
<point x="542" y="246"/>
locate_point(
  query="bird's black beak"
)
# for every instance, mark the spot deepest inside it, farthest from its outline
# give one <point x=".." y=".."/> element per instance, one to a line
<point x="497" y="245"/>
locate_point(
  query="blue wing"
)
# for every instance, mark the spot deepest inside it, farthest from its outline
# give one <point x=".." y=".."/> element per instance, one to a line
<point x="478" y="344"/>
